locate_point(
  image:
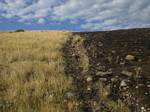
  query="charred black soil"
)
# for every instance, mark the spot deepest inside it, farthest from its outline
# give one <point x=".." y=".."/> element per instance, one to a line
<point x="118" y="62"/>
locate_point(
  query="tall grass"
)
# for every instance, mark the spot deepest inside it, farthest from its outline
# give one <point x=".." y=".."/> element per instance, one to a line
<point x="32" y="77"/>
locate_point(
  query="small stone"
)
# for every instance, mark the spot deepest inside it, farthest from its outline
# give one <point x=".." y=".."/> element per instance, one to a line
<point x="143" y="109"/>
<point x="104" y="73"/>
<point x="130" y="57"/>
<point x="137" y="87"/>
<point x="148" y="86"/>
<point x="113" y="51"/>
<point x="89" y="79"/>
<point x="100" y="44"/>
<point x="113" y="79"/>
<point x="116" y="76"/>
<point x="98" y="64"/>
<point x="127" y="95"/>
<point x="122" y="63"/>
<point x="123" y="83"/>
<point x="124" y="72"/>
<point x="140" y="85"/>
<point x="89" y="89"/>
<point x="140" y="60"/>
<point x="103" y="79"/>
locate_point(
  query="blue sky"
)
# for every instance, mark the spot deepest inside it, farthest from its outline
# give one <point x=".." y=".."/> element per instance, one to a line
<point x="78" y="15"/>
<point x="12" y="24"/>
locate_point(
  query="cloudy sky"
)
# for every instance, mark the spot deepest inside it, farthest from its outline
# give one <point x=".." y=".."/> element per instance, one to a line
<point x="74" y="14"/>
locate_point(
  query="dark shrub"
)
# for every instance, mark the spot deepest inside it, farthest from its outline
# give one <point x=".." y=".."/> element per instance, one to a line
<point x="20" y="30"/>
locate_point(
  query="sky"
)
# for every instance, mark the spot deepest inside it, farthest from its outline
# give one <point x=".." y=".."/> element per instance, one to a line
<point x="76" y="15"/>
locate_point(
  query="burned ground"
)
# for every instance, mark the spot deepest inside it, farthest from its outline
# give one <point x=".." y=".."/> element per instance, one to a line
<point x="118" y="61"/>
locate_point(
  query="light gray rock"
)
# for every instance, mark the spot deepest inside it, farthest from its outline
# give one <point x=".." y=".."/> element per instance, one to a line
<point x="103" y="79"/>
<point x="143" y="109"/>
<point x="140" y="85"/>
<point x="127" y="73"/>
<point x="89" y="88"/>
<point x="100" y="73"/>
<point x="130" y="57"/>
<point x="148" y="86"/>
<point x="113" y="51"/>
<point x="113" y="79"/>
<point x="89" y="79"/>
<point x="100" y="44"/>
<point x="136" y="87"/>
<point x="123" y="83"/>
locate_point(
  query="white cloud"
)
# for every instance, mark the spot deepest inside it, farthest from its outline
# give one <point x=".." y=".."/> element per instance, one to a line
<point x="41" y="21"/>
<point x="88" y="14"/>
<point x="26" y="10"/>
<point x="106" y="14"/>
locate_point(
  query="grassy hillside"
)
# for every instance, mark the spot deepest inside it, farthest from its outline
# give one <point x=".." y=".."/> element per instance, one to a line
<point x="56" y="71"/>
<point x="32" y="77"/>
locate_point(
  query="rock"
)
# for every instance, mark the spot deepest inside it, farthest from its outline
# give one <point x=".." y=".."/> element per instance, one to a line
<point x="140" y="60"/>
<point x="143" y="109"/>
<point x="89" y="79"/>
<point x="137" y="87"/>
<point x="113" y="79"/>
<point x="148" y="86"/>
<point x="123" y="84"/>
<point x="103" y="73"/>
<point x="100" y="68"/>
<point x="124" y="72"/>
<point x="98" y="64"/>
<point x="148" y="109"/>
<point x="130" y="57"/>
<point x="140" y="85"/>
<point x="116" y="76"/>
<point x="103" y="79"/>
<point x="100" y="44"/>
<point x="113" y="51"/>
<point x="122" y="63"/>
<point x="89" y="88"/>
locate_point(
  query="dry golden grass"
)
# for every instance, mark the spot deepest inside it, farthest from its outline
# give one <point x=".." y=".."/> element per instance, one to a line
<point x="81" y="51"/>
<point x="32" y="77"/>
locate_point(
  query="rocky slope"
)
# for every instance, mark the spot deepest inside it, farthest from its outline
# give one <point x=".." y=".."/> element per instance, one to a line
<point x="117" y="63"/>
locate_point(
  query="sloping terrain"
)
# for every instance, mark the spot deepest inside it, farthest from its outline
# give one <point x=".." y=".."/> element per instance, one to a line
<point x="55" y="71"/>
<point x="111" y="70"/>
